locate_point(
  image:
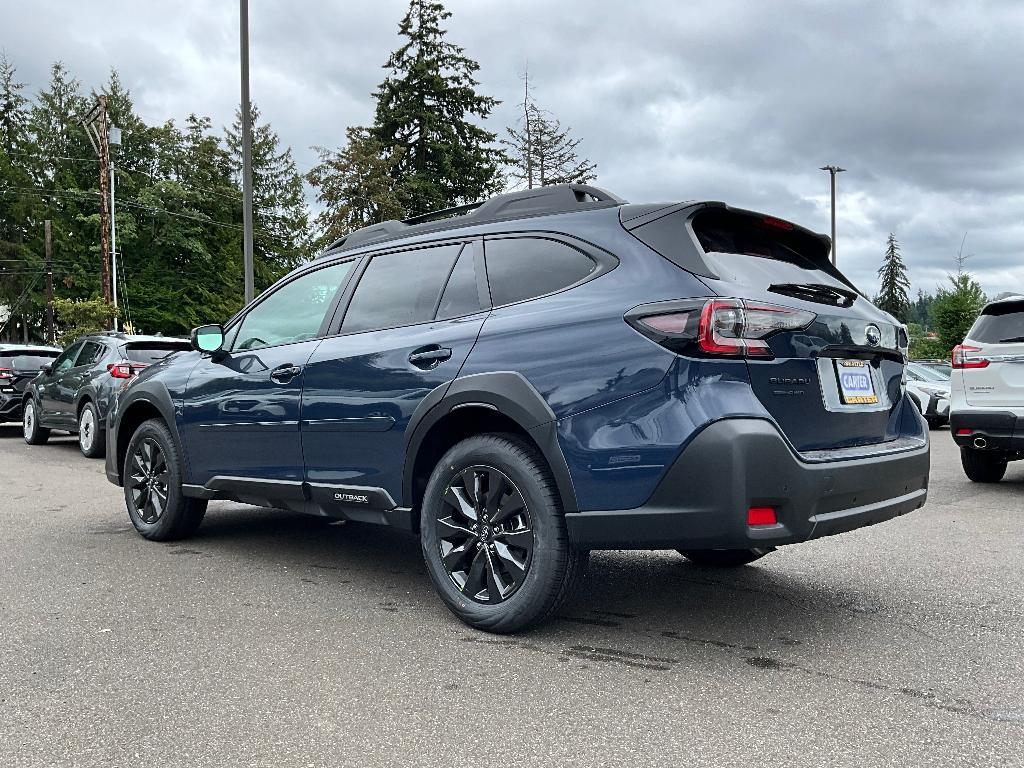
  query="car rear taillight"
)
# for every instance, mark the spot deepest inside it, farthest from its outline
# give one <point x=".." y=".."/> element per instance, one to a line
<point x="121" y="370"/>
<point x="721" y="327"/>
<point x="962" y="358"/>
<point x="6" y="374"/>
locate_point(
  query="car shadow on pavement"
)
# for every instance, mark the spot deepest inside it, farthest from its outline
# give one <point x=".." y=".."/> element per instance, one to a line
<point x="656" y="594"/>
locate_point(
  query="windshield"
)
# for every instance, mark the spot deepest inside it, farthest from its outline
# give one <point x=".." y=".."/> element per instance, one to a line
<point x="928" y="374"/>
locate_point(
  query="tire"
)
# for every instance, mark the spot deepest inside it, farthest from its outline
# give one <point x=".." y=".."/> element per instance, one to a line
<point x="165" y="516"/>
<point x="91" y="441"/>
<point x="983" y="466"/>
<point x="724" y="558"/>
<point x="34" y="434"/>
<point x="519" y="556"/>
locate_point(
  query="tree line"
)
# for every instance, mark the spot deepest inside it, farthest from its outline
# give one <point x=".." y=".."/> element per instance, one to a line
<point x="939" y="321"/>
<point x="179" y="201"/>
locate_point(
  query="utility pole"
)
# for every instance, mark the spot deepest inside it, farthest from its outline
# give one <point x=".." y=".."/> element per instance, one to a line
<point x="246" y="152"/>
<point x="833" y="170"/>
<point x="113" y="141"/>
<point x="48" y="251"/>
<point x="95" y="123"/>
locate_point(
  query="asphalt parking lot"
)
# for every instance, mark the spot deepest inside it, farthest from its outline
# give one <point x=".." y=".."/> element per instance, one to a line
<point x="274" y="639"/>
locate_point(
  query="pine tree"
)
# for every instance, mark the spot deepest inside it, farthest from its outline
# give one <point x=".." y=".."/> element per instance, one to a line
<point x="541" y="151"/>
<point x="955" y="309"/>
<point x="893" y="296"/>
<point x="425" y="107"/>
<point x="355" y="185"/>
<point x="280" y="216"/>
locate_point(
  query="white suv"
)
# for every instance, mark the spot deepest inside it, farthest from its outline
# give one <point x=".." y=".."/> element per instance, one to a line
<point x="988" y="391"/>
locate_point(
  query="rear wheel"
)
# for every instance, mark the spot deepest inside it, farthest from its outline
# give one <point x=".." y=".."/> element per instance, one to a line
<point x="90" y="441"/>
<point x="34" y="434"/>
<point x="724" y="558"/>
<point x="983" y="466"/>
<point x="494" y="537"/>
<point x="152" y="486"/>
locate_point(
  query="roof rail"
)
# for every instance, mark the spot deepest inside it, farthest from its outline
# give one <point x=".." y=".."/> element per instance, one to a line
<point x="558" y="198"/>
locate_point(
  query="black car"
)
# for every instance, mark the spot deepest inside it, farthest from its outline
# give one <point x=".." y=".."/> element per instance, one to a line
<point x="19" y="364"/>
<point x="74" y="392"/>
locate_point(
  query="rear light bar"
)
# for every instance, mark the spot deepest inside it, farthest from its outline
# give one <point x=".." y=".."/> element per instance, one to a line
<point x="962" y="359"/>
<point x="121" y="370"/>
<point x="718" y="327"/>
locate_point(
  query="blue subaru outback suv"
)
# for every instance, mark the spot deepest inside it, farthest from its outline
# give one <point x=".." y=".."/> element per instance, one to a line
<point x="530" y="378"/>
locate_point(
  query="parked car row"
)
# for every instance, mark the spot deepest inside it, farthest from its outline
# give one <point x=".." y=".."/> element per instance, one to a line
<point x="520" y="382"/>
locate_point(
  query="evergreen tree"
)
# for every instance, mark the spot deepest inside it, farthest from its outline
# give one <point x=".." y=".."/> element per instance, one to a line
<point x="15" y="204"/>
<point x="425" y="107"/>
<point x="956" y="308"/>
<point x="280" y="216"/>
<point x="893" y="296"/>
<point x="541" y="151"/>
<point x="355" y="185"/>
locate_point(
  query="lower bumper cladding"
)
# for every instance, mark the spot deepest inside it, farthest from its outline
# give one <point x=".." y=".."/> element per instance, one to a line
<point x="738" y="464"/>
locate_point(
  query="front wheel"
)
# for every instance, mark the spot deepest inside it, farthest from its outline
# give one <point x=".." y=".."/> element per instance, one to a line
<point x="90" y="439"/>
<point x="983" y="466"/>
<point x="152" y="486"/>
<point x="494" y="537"/>
<point x="34" y="434"/>
<point x="724" y="558"/>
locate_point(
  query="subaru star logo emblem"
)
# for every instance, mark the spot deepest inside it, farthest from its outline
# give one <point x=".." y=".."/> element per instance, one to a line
<point x="873" y="334"/>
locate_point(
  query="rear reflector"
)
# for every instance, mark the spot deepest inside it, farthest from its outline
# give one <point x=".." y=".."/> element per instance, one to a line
<point x="962" y="432"/>
<point x="761" y="516"/>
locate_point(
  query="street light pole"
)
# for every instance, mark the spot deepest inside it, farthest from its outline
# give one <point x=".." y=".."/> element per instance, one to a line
<point x="833" y="170"/>
<point x="114" y="140"/>
<point x="246" y="152"/>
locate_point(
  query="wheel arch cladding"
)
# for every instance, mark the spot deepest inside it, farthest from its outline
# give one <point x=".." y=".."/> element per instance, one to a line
<point x="144" y="405"/>
<point x="503" y="401"/>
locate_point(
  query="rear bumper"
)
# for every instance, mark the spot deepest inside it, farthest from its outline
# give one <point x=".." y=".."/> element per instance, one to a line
<point x="999" y="430"/>
<point x="10" y="406"/>
<point x="735" y="464"/>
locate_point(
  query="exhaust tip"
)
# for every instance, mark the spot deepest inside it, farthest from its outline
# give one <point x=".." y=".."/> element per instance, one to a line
<point x="980" y="442"/>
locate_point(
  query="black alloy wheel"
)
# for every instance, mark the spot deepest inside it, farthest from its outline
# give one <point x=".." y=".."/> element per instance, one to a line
<point x="148" y="480"/>
<point x="153" y="493"/>
<point x="484" y="534"/>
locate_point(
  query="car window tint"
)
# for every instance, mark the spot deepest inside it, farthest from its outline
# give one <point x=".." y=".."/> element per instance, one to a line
<point x="91" y="352"/>
<point x="399" y="289"/>
<point x="294" y="311"/>
<point x="522" y="268"/>
<point x="1000" y="323"/>
<point x="67" y="358"/>
<point x="460" y="296"/>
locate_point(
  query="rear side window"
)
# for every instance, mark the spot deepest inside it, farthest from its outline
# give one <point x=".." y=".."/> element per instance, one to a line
<point x="90" y="353"/>
<point x="460" y="296"/>
<point x="1000" y="323"/>
<point x="520" y="268"/>
<point x="400" y="289"/>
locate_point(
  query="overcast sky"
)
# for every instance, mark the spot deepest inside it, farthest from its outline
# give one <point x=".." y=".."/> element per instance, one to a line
<point x="734" y="100"/>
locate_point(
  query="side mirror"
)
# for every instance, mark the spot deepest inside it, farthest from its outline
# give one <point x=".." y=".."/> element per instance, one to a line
<point x="207" y="338"/>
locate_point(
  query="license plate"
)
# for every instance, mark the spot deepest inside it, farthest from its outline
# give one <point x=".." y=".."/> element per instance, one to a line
<point x="855" y="383"/>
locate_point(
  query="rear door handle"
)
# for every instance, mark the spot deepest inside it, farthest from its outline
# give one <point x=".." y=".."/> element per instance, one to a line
<point x="285" y="373"/>
<point x="428" y="357"/>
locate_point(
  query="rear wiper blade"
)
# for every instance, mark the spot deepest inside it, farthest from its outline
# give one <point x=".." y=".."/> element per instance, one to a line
<point x="1011" y="340"/>
<point x="816" y="292"/>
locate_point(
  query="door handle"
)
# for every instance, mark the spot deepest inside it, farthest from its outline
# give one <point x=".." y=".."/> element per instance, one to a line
<point x="285" y="373"/>
<point x="428" y="357"/>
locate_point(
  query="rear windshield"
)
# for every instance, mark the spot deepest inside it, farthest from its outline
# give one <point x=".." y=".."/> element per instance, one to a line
<point x="1000" y="323"/>
<point x="29" y="362"/>
<point x="147" y="354"/>
<point x="722" y="231"/>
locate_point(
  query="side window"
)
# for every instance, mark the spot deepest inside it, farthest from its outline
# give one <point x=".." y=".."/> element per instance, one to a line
<point x="520" y="268"/>
<point x="67" y="358"/>
<point x="294" y="311"/>
<point x="399" y="289"/>
<point x="91" y="352"/>
<point x="460" y="296"/>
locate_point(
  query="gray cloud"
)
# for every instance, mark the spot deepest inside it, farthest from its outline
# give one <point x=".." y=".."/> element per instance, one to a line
<point x="737" y="100"/>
